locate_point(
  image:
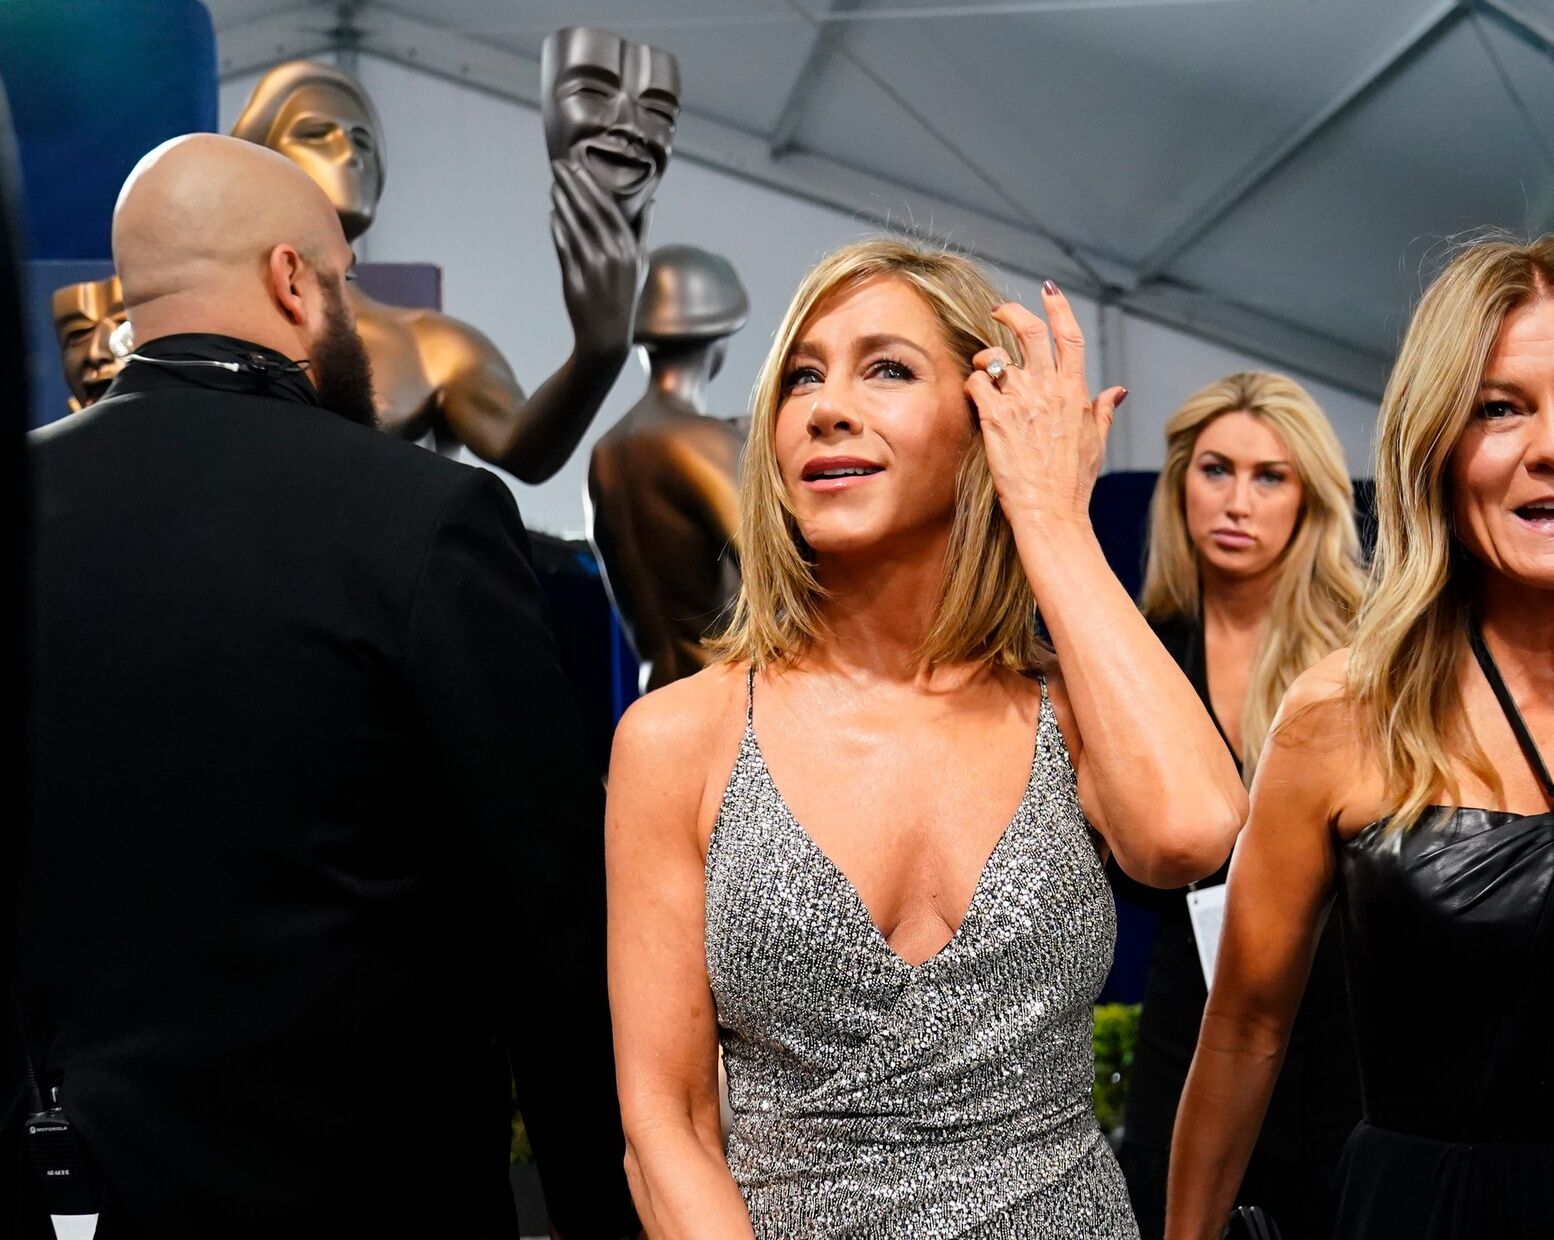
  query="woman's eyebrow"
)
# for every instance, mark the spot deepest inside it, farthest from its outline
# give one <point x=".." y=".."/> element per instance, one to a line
<point x="868" y="344"/>
<point x="864" y="344"/>
<point x="1220" y="456"/>
<point x="1503" y="385"/>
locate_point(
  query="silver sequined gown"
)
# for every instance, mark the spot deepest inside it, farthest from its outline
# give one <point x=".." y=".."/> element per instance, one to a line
<point x="874" y="1098"/>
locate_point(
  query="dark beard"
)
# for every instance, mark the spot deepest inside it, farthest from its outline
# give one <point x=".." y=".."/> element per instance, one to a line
<point x="340" y="362"/>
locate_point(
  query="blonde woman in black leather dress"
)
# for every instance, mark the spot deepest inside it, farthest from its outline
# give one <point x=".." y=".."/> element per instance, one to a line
<point x="1408" y="777"/>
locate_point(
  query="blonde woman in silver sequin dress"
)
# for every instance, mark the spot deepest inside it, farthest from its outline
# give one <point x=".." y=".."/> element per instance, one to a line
<point x="863" y="851"/>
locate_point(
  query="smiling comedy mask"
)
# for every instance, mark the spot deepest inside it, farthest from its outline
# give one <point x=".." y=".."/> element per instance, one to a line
<point x="610" y="105"/>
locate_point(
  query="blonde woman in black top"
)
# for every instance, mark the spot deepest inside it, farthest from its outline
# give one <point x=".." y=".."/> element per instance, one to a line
<point x="1252" y="577"/>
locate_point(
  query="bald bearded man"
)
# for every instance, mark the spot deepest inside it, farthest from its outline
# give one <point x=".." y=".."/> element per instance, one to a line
<point x="316" y="864"/>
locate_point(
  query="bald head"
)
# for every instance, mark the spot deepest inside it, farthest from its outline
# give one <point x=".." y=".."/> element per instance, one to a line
<point x="216" y="234"/>
<point x="206" y="208"/>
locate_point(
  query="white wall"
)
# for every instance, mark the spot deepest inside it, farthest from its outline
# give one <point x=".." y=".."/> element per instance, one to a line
<point x="467" y="188"/>
<point x="1165" y="366"/>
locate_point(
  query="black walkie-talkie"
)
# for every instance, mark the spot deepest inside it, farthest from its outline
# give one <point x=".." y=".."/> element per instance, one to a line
<point x="67" y="1180"/>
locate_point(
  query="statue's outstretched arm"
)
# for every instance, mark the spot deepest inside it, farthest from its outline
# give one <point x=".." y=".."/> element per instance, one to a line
<point x="602" y="265"/>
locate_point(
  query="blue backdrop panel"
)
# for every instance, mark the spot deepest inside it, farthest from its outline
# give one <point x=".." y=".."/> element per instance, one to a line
<point x="399" y="284"/>
<point x="1119" y="511"/>
<point x="592" y="650"/>
<point x="402" y="284"/>
<point x="94" y="85"/>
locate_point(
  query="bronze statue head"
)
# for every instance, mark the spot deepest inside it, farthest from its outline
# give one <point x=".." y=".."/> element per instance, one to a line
<point x="690" y="298"/>
<point x="610" y="105"/>
<point x="85" y="315"/>
<point x="322" y="119"/>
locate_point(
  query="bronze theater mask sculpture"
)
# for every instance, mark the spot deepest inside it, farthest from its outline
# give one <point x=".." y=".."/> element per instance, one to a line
<point x="663" y="496"/>
<point x="85" y="317"/>
<point x="610" y="107"/>
<point x="435" y="376"/>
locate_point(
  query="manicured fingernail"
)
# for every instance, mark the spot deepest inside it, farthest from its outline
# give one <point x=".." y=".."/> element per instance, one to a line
<point x="1121" y="396"/>
<point x="1049" y="288"/>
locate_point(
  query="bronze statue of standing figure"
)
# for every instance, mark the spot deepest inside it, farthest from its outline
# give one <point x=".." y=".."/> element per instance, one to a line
<point x="662" y="483"/>
<point x="610" y="112"/>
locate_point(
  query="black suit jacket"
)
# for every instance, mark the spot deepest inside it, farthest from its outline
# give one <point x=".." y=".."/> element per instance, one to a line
<point x="317" y="845"/>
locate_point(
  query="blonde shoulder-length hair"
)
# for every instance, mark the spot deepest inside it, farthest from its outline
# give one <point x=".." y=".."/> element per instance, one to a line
<point x="1412" y="627"/>
<point x="986" y="612"/>
<point x="1319" y="583"/>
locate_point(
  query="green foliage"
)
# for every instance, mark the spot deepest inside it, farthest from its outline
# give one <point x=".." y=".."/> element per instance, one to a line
<point x="1116" y="1031"/>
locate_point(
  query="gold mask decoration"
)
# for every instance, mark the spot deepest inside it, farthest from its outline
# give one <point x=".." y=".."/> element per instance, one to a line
<point x="322" y="120"/>
<point x="85" y="316"/>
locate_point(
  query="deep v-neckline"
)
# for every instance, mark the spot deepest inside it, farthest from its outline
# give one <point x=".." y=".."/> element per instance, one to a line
<point x="854" y="895"/>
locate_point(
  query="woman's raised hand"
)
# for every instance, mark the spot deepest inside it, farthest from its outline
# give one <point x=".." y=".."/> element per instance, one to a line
<point x="1045" y="438"/>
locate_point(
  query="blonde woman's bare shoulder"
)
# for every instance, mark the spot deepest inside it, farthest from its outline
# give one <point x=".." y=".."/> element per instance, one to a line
<point x="1315" y="757"/>
<point x="1318" y="698"/>
<point x="1317" y="715"/>
<point x="687" y="714"/>
<point x="672" y="743"/>
<point x="1325" y="681"/>
<point x="1320" y="750"/>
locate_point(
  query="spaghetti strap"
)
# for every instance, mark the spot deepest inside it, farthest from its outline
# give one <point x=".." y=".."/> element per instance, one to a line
<point x="750" y="697"/>
<point x="1513" y="716"/>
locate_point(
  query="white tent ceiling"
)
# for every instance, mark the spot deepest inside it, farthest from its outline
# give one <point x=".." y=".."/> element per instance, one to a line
<point x="1270" y="173"/>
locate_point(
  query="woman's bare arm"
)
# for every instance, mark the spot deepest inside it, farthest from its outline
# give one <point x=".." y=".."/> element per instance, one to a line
<point x="1281" y="881"/>
<point x="1154" y="777"/>
<point x="660" y="999"/>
